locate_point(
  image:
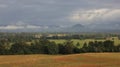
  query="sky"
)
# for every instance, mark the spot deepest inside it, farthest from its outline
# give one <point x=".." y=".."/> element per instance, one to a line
<point x="59" y="12"/>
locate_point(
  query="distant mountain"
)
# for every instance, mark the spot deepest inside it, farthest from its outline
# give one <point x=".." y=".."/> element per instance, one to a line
<point x="76" y="28"/>
<point x="58" y="28"/>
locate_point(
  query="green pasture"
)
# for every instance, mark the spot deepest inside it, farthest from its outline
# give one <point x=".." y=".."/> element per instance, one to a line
<point x="75" y="41"/>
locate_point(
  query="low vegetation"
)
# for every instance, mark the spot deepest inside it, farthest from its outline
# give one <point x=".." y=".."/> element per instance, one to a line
<point x="76" y="60"/>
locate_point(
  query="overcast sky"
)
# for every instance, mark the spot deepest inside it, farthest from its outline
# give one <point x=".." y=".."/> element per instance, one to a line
<point x="59" y="12"/>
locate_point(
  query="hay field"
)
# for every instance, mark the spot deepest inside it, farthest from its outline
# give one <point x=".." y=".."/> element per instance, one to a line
<point x="75" y="60"/>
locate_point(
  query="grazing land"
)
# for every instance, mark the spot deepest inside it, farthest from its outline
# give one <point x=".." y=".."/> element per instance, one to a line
<point x="75" y="41"/>
<point x="75" y="60"/>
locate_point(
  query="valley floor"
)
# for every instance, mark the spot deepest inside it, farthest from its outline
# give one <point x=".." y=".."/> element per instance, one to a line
<point x="74" y="60"/>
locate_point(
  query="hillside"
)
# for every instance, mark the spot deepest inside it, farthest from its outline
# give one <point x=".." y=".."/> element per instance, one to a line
<point x="77" y="60"/>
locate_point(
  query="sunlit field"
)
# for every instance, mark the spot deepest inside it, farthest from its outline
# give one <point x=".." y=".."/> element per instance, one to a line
<point x="77" y="60"/>
<point x="75" y="41"/>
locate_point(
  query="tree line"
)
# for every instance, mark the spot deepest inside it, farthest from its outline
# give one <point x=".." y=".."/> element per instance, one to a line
<point x="44" y="46"/>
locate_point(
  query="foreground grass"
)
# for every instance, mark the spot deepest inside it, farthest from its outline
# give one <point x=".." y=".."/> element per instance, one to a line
<point x="75" y="60"/>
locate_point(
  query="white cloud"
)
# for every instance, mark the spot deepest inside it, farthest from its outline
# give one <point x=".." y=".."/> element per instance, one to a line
<point x="95" y="15"/>
<point x="19" y="25"/>
<point x="11" y="27"/>
<point x="32" y="27"/>
<point x="14" y="27"/>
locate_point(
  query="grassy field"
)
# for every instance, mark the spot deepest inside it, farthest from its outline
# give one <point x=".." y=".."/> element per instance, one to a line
<point x="75" y="60"/>
<point x="75" y="41"/>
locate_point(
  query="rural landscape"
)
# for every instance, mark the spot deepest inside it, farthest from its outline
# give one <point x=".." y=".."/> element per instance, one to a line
<point x="59" y="33"/>
<point x="59" y="50"/>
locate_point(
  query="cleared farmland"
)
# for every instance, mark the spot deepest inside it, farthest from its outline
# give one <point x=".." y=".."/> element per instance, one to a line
<point x="75" y="60"/>
<point x="75" y="41"/>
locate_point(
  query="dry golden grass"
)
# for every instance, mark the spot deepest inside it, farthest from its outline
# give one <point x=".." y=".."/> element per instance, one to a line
<point x="75" y="60"/>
